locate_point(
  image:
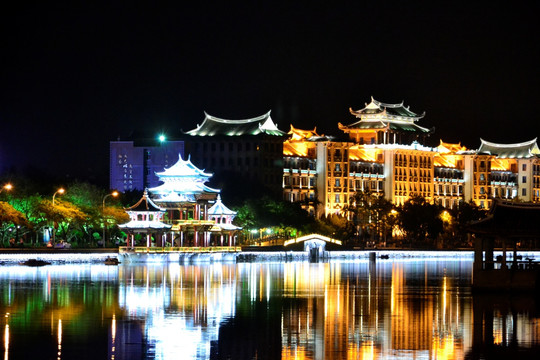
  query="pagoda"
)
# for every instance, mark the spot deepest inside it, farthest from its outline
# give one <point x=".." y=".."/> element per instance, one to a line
<point x="187" y="199"/>
<point x="383" y="123"/>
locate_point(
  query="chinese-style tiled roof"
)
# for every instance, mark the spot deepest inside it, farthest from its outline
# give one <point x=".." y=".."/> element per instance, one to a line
<point x="144" y="224"/>
<point x="213" y="126"/>
<point x="390" y="110"/>
<point x="444" y="148"/>
<point x="219" y="209"/>
<point x="379" y="115"/>
<point x="185" y="169"/>
<point x="145" y="204"/>
<point x="510" y="220"/>
<point x="182" y="182"/>
<point x="522" y="150"/>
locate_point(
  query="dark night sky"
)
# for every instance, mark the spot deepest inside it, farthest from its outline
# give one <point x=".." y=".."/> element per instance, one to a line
<point x="74" y="78"/>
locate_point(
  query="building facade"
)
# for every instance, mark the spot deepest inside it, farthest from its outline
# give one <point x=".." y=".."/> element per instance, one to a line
<point x="385" y="154"/>
<point x="133" y="164"/>
<point x="248" y="149"/>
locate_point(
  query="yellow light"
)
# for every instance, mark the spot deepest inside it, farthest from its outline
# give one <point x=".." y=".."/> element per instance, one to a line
<point x="61" y="190"/>
<point x="446" y="217"/>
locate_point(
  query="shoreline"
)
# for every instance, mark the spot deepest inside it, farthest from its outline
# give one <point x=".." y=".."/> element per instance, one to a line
<point x="81" y="256"/>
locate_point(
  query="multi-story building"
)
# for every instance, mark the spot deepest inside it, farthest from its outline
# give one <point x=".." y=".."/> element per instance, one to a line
<point x="385" y="154"/>
<point x="382" y="151"/>
<point x="133" y="163"/>
<point x="248" y="149"/>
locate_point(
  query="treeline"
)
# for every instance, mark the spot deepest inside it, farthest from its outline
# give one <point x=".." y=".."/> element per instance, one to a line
<point x="368" y="221"/>
<point x="86" y="215"/>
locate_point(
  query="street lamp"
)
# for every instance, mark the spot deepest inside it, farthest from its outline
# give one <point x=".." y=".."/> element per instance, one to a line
<point x="59" y="191"/>
<point x="115" y="194"/>
<point x="6" y="187"/>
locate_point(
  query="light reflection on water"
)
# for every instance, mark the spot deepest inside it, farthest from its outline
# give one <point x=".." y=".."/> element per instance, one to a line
<point x="397" y="309"/>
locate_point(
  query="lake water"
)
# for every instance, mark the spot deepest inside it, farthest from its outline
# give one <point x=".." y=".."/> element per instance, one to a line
<point x="390" y="309"/>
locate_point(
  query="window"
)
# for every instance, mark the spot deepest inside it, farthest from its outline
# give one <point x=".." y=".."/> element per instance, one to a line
<point x="337" y="182"/>
<point x="337" y="198"/>
<point x="523" y="192"/>
<point x="524" y="179"/>
<point x="524" y="167"/>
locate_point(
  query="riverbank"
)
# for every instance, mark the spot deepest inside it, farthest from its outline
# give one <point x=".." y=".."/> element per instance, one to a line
<point x="59" y="256"/>
<point x="12" y="256"/>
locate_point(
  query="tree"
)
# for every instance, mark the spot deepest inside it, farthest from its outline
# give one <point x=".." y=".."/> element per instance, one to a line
<point x="10" y="221"/>
<point x="462" y="216"/>
<point x="371" y="214"/>
<point x="420" y="221"/>
<point x="66" y="217"/>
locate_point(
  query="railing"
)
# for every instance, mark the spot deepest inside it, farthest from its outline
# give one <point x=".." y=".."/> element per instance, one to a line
<point x="186" y="249"/>
<point x="529" y="264"/>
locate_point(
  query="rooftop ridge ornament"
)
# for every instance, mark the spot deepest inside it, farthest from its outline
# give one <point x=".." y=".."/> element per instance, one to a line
<point x="237" y="121"/>
<point x="524" y="143"/>
<point x="215" y="126"/>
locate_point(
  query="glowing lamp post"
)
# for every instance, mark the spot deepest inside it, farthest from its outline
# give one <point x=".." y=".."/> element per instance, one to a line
<point x="115" y="194"/>
<point x="7" y="187"/>
<point x="59" y="191"/>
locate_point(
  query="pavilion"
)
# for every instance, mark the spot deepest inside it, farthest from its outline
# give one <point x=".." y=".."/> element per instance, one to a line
<point x="146" y="218"/>
<point x="190" y="210"/>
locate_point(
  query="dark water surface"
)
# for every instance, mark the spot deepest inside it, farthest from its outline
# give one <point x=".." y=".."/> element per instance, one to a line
<point x="391" y="309"/>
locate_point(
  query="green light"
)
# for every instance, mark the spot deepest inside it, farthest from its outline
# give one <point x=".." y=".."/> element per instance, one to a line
<point x="162" y="138"/>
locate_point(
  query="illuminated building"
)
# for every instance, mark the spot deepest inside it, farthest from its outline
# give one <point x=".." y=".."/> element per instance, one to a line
<point x="382" y="123"/>
<point x="186" y="206"/>
<point x="133" y="163"/>
<point x="247" y="149"/>
<point x="146" y="218"/>
<point x="385" y="155"/>
<point x="514" y="169"/>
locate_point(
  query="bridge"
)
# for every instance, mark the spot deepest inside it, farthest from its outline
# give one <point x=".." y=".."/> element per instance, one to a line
<point x="315" y="244"/>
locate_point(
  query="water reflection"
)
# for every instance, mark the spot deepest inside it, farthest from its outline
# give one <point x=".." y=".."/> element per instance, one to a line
<point x="343" y="310"/>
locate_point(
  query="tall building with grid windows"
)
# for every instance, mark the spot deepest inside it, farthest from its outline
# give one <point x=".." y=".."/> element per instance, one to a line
<point x="385" y="153"/>
<point x="134" y="163"/>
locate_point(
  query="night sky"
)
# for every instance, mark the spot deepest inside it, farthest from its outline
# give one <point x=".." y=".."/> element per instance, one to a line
<point x="73" y="78"/>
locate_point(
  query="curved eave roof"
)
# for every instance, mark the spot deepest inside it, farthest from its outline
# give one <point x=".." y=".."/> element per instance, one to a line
<point x="228" y="227"/>
<point x="405" y="126"/>
<point x="183" y="168"/>
<point x="220" y="209"/>
<point x="141" y="225"/>
<point x="522" y="150"/>
<point x="144" y="204"/>
<point x="376" y="107"/>
<point x="214" y="126"/>
<point x="186" y="188"/>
